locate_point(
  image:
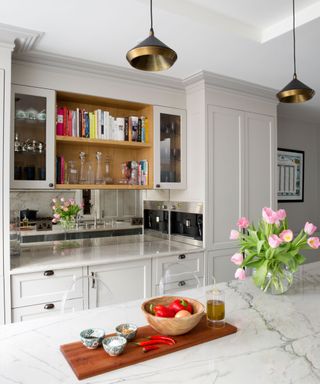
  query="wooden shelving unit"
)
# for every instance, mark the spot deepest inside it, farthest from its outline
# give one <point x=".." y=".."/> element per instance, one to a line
<point x="118" y="151"/>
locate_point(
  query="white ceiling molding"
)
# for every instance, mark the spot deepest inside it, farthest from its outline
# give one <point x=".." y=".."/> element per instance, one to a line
<point x="304" y="16"/>
<point x="231" y="84"/>
<point x="21" y="39"/>
<point x="204" y="15"/>
<point x="76" y="64"/>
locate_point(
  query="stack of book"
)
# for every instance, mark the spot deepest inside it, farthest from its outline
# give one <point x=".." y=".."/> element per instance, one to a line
<point x="101" y="125"/>
<point x="135" y="172"/>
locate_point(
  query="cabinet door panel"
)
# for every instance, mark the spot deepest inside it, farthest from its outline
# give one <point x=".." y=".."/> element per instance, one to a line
<point x="126" y="281"/>
<point x="169" y="148"/>
<point x="33" y="132"/>
<point x="260" y="164"/>
<point x="225" y="169"/>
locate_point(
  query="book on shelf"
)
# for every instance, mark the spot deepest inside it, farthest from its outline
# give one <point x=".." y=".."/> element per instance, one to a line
<point x="100" y="124"/>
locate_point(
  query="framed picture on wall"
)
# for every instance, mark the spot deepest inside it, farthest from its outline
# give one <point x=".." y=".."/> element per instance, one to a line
<point x="290" y="175"/>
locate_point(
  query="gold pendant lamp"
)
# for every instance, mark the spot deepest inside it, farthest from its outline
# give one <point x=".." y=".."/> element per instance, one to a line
<point x="295" y="91"/>
<point x="151" y="54"/>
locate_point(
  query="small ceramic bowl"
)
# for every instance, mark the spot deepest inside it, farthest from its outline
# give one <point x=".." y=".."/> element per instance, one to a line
<point x="127" y="330"/>
<point x="114" y="345"/>
<point x="92" y="337"/>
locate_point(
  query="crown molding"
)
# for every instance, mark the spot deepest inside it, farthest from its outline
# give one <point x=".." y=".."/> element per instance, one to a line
<point x="61" y="62"/>
<point x="18" y="39"/>
<point x="231" y="84"/>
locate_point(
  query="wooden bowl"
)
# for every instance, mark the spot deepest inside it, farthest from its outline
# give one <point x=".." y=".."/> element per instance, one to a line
<point x="172" y="326"/>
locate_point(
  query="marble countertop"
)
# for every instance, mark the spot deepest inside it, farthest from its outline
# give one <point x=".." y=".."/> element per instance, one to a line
<point x="278" y="341"/>
<point x="83" y="252"/>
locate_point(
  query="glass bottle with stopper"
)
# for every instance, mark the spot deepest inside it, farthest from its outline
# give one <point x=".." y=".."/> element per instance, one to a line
<point x="99" y="169"/>
<point x="83" y="179"/>
<point x="215" y="306"/>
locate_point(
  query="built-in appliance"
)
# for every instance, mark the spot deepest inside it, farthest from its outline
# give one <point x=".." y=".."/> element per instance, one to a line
<point x="180" y="221"/>
<point x="156" y="217"/>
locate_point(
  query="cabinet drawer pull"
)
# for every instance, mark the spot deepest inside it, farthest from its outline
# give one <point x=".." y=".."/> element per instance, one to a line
<point x="51" y="185"/>
<point x="181" y="283"/>
<point x="157" y="185"/>
<point x="49" y="306"/>
<point x="48" y="273"/>
<point x="181" y="257"/>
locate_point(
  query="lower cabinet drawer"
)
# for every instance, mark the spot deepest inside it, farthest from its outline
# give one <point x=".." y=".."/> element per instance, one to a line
<point x="45" y="310"/>
<point x="43" y="287"/>
<point x="175" y="287"/>
<point x="178" y="267"/>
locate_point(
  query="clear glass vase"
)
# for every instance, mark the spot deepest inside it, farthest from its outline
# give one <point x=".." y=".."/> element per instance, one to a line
<point x="68" y="223"/>
<point x="277" y="281"/>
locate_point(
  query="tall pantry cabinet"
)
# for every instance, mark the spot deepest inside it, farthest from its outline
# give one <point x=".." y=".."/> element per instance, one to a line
<point x="240" y="160"/>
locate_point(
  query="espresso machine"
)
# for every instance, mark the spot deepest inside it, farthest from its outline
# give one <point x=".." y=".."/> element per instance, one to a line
<point x="180" y="221"/>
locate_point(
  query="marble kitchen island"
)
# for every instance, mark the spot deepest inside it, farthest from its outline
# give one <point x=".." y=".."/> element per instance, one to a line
<point x="278" y="341"/>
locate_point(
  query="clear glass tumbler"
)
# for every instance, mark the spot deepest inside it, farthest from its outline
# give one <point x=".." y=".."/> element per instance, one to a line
<point x="215" y="307"/>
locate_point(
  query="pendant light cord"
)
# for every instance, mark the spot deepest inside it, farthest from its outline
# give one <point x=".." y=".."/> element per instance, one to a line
<point x="294" y="41"/>
<point x="151" y="18"/>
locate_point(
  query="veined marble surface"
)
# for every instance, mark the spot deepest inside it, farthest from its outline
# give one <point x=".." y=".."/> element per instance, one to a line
<point x="278" y="341"/>
<point x="83" y="252"/>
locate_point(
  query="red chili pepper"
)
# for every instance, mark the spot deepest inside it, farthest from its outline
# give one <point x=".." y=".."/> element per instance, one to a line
<point x="149" y="348"/>
<point x="181" y="304"/>
<point x="163" y="311"/>
<point x="153" y="342"/>
<point x="160" y="337"/>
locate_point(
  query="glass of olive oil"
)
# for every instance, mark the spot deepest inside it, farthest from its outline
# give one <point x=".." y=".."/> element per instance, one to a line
<point x="215" y="307"/>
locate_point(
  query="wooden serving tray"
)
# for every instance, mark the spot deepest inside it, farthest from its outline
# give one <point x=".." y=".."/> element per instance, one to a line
<point x="87" y="362"/>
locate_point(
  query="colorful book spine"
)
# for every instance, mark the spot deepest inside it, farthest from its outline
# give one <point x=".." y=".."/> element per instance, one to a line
<point x="62" y="172"/>
<point x="59" y="128"/>
<point x="126" y="129"/>
<point x="146" y="130"/>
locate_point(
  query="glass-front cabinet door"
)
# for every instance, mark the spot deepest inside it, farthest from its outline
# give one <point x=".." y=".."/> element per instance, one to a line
<point x="170" y="148"/>
<point x="32" y="133"/>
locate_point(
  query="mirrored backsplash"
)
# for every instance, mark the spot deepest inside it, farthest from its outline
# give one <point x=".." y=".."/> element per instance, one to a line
<point x="100" y="203"/>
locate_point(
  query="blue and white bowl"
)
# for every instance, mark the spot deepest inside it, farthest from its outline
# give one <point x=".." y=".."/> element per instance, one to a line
<point x="127" y="330"/>
<point x="92" y="337"/>
<point x="114" y="345"/>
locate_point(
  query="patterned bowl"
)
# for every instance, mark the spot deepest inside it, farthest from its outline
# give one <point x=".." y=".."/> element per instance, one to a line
<point x="127" y="330"/>
<point x="114" y="345"/>
<point x="92" y="337"/>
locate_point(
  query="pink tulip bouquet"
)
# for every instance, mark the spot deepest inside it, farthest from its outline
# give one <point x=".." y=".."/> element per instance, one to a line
<point x="65" y="212"/>
<point x="271" y="249"/>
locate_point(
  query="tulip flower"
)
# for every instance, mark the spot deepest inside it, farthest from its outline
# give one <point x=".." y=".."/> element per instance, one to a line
<point x="62" y="199"/>
<point x="54" y="220"/>
<point x="309" y="228"/>
<point x="314" y="242"/>
<point x="56" y="216"/>
<point x="281" y="213"/>
<point x="237" y="258"/>
<point x="286" y="235"/>
<point x="54" y="200"/>
<point x="243" y="223"/>
<point x="234" y="235"/>
<point x="240" y="274"/>
<point x="54" y="207"/>
<point x="274" y="241"/>
<point x="269" y="216"/>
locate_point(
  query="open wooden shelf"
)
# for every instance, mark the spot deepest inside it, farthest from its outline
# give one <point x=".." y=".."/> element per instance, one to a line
<point x="107" y="143"/>
<point x="102" y="186"/>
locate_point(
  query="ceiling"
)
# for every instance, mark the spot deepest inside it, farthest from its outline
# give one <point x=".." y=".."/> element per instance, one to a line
<point x="246" y="39"/>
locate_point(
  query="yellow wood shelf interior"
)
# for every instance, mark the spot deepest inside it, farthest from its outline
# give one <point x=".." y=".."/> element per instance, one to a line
<point x="102" y="186"/>
<point x="107" y="143"/>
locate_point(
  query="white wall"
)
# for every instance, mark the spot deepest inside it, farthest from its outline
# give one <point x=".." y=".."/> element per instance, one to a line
<point x="304" y="136"/>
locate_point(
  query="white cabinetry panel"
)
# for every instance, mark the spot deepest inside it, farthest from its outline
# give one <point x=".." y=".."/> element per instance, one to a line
<point x="260" y="164"/>
<point x="225" y="169"/>
<point x="126" y="281"/>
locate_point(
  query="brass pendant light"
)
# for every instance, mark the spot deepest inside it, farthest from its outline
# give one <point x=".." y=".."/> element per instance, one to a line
<point x="295" y="91"/>
<point x="151" y="54"/>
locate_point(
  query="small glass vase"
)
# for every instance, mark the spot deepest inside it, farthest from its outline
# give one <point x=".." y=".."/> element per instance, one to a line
<point x="278" y="281"/>
<point x="68" y="223"/>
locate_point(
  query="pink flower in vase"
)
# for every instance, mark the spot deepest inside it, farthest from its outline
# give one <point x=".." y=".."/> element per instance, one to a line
<point x="314" y="242"/>
<point x="240" y="274"/>
<point x="269" y="216"/>
<point x="274" y="241"/>
<point x="286" y="235"/>
<point x="234" y="235"/>
<point x="237" y="258"/>
<point x="281" y="214"/>
<point x="243" y="223"/>
<point x="309" y="228"/>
